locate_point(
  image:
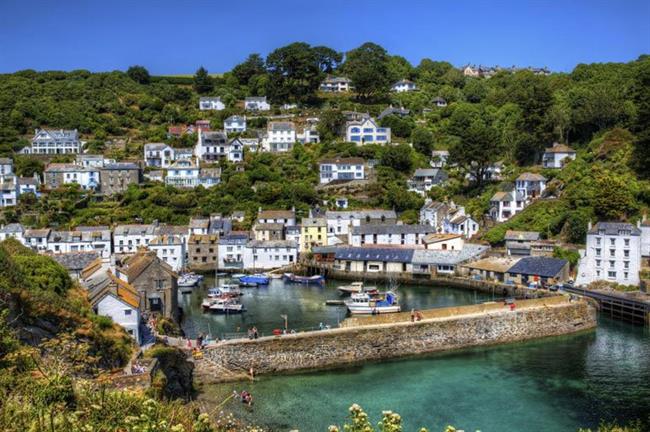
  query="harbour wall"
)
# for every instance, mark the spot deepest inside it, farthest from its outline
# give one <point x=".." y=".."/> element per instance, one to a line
<point x="361" y="339"/>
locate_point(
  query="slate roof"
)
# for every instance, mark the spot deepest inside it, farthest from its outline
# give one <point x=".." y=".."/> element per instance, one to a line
<point x="374" y="254"/>
<point x="281" y="126"/>
<point x="507" y="196"/>
<point x="255" y="99"/>
<point x="134" y="229"/>
<point x="234" y="238"/>
<point x="429" y="172"/>
<point x="559" y="148"/>
<point x="6" y="161"/>
<point x="272" y="244"/>
<point x="393" y="111"/>
<point x="521" y="235"/>
<point x="155" y="146"/>
<point x="68" y="167"/>
<point x="235" y="119"/>
<point x="138" y="263"/>
<point x="538" y="266"/>
<point x="12" y="228"/>
<point x="343" y="161"/>
<point x="392" y="229"/>
<point x="448" y="257"/>
<point x="276" y="214"/>
<point x="527" y="176"/>
<point x="166" y="240"/>
<point x="612" y="228"/>
<point x="75" y="261"/>
<point x="37" y="233"/>
<point x="121" y="166"/>
<point x="314" y="222"/>
<point x="361" y="214"/>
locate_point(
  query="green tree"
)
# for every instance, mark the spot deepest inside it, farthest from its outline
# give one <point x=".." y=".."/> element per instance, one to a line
<point x="328" y="59"/>
<point x="422" y="140"/>
<point x="367" y="67"/>
<point x="331" y="124"/>
<point x="294" y="72"/>
<point x="203" y="81"/>
<point x="139" y="74"/>
<point x="251" y="67"/>
<point x="399" y="127"/>
<point x="397" y="157"/>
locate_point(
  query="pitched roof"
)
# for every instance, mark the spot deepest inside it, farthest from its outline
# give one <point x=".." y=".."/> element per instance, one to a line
<point x="374" y="254"/>
<point x="12" y="228"/>
<point x="361" y="214"/>
<point x="507" y="196"/>
<point x="392" y="229"/>
<point x="343" y="161"/>
<point x="75" y="261"/>
<point x="613" y="228"/>
<point x="521" y="235"/>
<point x="559" y="148"/>
<point x="166" y="240"/>
<point x="138" y="263"/>
<point x="276" y="214"/>
<point x="121" y="166"/>
<point x="272" y="244"/>
<point x="37" y="233"/>
<point x="281" y="126"/>
<point x="538" y="266"/>
<point x="429" y="172"/>
<point x="527" y="176"/>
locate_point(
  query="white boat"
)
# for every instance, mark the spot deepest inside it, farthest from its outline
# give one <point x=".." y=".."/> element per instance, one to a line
<point x="226" y="306"/>
<point x="367" y="304"/>
<point x="355" y="287"/>
<point x="237" y="275"/>
<point x="189" y="279"/>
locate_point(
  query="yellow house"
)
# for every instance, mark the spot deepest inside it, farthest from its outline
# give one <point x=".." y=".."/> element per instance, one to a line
<point x="313" y="232"/>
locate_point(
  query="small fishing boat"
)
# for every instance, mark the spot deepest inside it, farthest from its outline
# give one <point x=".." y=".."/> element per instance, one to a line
<point x="238" y="275"/>
<point x="258" y="279"/>
<point x="227" y="306"/>
<point x="367" y="304"/>
<point x="189" y="279"/>
<point x="230" y="290"/>
<point x="356" y="287"/>
<point x="293" y="278"/>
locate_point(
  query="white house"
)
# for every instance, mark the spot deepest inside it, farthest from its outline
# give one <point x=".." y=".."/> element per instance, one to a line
<point x="336" y="85"/>
<point x="346" y="169"/>
<point x="82" y="238"/>
<point x="234" y="124"/>
<point x="439" y="158"/>
<point x="213" y="146"/>
<point x="389" y="234"/>
<point x="613" y="253"/>
<point x="57" y="174"/>
<point x="92" y="160"/>
<point x="265" y="255"/>
<point x="645" y="237"/>
<point x="256" y="103"/>
<point x="458" y="222"/>
<point x="230" y="251"/>
<point x="13" y="230"/>
<point x="444" y="242"/>
<point x="158" y="155"/>
<point x="284" y="217"/>
<point x="504" y="205"/>
<point x="8" y="190"/>
<point x="309" y="135"/>
<point x="128" y="238"/>
<point x="433" y="213"/>
<point x="557" y="156"/>
<point x="281" y="136"/>
<point x="403" y="86"/>
<point x="424" y="179"/>
<point x="366" y="131"/>
<point x="6" y="167"/>
<point x="187" y="174"/>
<point x="54" y="141"/>
<point x="250" y="144"/>
<point x="37" y="239"/>
<point x="170" y="249"/>
<point x="211" y="103"/>
<point x="530" y="185"/>
<point x="340" y="222"/>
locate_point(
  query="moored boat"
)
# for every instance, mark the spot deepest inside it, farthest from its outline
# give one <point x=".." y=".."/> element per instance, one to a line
<point x="293" y="278"/>
<point x="258" y="279"/>
<point x="189" y="280"/>
<point x="367" y="304"/>
<point x="222" y="305"/>
<point x="356" y="287"/>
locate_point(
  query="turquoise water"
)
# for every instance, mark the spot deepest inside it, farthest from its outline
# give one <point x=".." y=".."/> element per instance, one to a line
<point x="304" y="306"/>
<point x="554" y="384"/>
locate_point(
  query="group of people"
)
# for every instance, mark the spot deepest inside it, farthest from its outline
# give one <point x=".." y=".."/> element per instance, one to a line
<point x="415" y="315"/>
<point x="253" y="333"/>
<point x="244" y="396"/>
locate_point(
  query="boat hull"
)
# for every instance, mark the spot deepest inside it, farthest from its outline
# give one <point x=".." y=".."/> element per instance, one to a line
<point x="367" y="310"/>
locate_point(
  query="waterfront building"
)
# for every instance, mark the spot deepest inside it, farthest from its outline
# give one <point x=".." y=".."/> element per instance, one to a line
<point x="432" y="262"/>
<point x="340" y="222"/>
<point x="537" y="270"/>
<point x="612" y="253"/>
<point x="645" y="237"/>
<point x="53" y="142"/>
<point x="211" y="104"/>
<point x="230" y="255"/>
<point x="443" y="242"/>
<point x="389" y="234"/>
<point x="313" y="232"/>
<point x="170" y="249"/>
<point x="154" y="281"/>
<point x="341" y="169"/>
<point x="202" y="252"/>
<point x="372" y="259"/>
<point x="489" y="269"/>
<point x="557" y="156"/>
<point x="366" y="131"/>
<point x="267" y="255"/>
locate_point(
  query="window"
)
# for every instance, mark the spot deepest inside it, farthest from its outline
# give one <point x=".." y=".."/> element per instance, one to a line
<point x="598" y="241"/>
<point x="127" y="311"/>
<point x="625" y="275"/>
<point x="626" y="253"/>
<point x="612" y="252"/>
<point x="597" y="263"/>
<point x="611" y="274"/>
<point x="611" y="264"/>
<point x="626" y="264"/>
<point x="627" y="242"/>
<point x="597" y="251"/>
<point x="612" y="241"/>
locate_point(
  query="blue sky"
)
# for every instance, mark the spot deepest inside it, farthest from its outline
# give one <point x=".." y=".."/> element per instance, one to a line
<point x="173" y="37"/>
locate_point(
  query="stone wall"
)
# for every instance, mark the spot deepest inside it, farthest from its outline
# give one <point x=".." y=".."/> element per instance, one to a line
<point x="358" y="342"/>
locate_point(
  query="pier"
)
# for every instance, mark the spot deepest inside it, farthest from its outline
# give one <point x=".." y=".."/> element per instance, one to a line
<point x="621" y="306"/>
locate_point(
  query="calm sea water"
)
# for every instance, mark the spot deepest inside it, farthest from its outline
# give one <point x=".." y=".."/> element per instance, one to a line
<point x="555" y="384"/>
